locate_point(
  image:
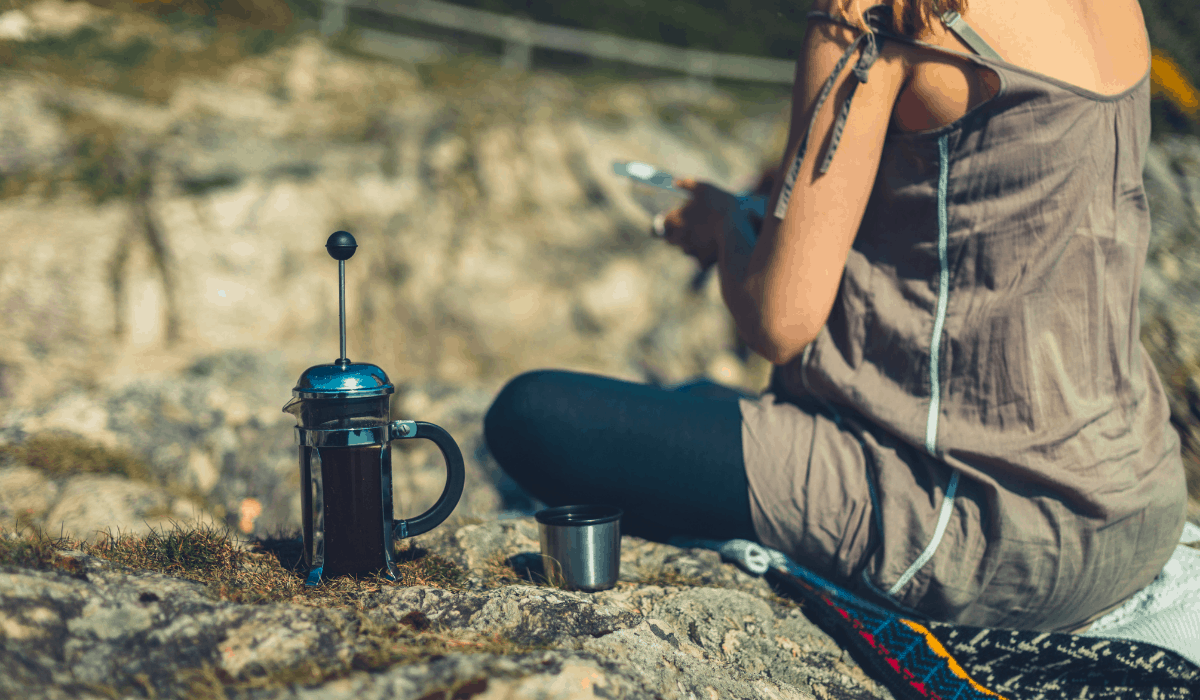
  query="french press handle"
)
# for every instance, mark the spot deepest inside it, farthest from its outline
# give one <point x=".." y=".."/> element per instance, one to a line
<point x="455" y="476"/>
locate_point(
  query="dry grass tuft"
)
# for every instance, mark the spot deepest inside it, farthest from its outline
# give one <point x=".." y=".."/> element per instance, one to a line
<point x="35" y="550"/>
<point x="198" y="551"/>
<point x="260" y="571"/>
<point x="419" y="567"/>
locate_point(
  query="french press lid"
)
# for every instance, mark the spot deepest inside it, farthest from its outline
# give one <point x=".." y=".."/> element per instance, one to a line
<point x="342" y="379"/>
<point x="352" y="380"/>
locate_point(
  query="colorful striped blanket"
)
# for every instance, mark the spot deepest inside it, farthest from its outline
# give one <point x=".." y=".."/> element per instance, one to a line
<point x="928" y="661"/>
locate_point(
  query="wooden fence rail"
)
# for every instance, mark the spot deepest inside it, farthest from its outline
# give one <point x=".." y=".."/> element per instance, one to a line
<point x="521" y="35"/>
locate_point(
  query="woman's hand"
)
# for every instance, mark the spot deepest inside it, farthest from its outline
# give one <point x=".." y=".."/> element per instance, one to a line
<point x="699" y="226"/>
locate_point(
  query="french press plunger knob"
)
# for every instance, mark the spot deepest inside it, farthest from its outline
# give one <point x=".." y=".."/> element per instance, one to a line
<point x="344" y="430"/>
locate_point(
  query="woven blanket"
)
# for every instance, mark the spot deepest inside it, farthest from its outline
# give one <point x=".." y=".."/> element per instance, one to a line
<point x="927" y="661"/>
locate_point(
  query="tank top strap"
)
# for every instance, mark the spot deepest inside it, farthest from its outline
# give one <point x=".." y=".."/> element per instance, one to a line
<point x="877" y="19"/>
<point x="955" y="23"/>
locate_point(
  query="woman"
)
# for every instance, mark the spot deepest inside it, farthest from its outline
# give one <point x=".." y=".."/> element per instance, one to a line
<point x="961" y="422"/>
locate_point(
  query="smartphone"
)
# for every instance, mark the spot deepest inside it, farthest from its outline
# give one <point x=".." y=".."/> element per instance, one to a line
<point x="753" y="206"/>
<point x="647" y="175"/>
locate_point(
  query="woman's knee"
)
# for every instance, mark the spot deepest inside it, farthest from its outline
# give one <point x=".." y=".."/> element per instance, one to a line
<point x="519" y="395"/>
<point x="516" y="408"/>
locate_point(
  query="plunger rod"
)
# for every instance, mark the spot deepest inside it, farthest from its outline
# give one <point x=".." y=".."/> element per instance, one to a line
<point x="341" y="246"/>
<point x="342" y="304"/>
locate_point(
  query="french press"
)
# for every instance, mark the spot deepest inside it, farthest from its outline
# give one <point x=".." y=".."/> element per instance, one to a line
<point x="344" y="430"/>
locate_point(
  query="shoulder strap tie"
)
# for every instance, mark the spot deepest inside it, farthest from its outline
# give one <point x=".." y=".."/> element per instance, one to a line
<point x="873" y="44"/>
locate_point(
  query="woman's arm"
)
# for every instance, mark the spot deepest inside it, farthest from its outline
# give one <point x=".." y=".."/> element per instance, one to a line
<point x="781" y="292"/>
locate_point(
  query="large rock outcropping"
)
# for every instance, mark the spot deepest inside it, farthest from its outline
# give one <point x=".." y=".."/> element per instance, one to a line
<point x="100" y="631"/>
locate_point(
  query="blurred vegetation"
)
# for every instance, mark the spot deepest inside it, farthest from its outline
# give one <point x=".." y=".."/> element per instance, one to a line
<point x="147" y="65"/>
<point x="64" y="454"/>
<point x="145" y="58"/>
<point x="61" y="454"/>
<point x="776" y="28"/>
<point x="1174" y="29"/>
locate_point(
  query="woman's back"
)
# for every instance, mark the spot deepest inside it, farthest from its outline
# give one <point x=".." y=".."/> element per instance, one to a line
<point x="1100" y="47"/>
<point x="984" y="345"/>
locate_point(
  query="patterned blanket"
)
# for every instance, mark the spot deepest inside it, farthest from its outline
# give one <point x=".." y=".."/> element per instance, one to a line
<point x="927" y="661"/>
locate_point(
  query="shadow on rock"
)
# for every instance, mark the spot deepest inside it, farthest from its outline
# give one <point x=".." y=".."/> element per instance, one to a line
<point x="287" y="548"/>
<point x="528" y="567"/>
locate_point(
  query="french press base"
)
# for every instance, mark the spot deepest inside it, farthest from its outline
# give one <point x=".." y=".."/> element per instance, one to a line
<point x="344" y="432"/>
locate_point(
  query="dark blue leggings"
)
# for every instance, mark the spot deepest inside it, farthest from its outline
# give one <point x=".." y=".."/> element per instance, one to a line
<point x="671" y="459"/>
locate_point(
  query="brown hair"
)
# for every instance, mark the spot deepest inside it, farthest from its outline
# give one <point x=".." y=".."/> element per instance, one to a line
<point x="912" y="18"/>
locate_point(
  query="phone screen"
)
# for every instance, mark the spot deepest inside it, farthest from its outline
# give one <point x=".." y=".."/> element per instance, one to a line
<point x="646" y="174"/>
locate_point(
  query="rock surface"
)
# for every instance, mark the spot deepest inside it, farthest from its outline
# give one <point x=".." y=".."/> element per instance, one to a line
<point x="104" y="630"/>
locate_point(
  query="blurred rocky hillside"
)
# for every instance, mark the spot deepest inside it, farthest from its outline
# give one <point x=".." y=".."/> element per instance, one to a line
<point x="164" y="280"/>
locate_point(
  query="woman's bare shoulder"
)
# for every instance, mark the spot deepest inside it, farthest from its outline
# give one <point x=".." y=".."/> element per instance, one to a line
<point x="1098" y="46"/>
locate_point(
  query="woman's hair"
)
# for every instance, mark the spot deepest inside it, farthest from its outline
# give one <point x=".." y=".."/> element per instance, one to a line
<point x="912" y="18"/>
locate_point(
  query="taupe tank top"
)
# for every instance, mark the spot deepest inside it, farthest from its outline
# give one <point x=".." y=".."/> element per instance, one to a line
<point x="988" y="315"/>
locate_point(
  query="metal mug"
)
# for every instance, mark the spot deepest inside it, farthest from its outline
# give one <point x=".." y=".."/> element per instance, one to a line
<point x="581" y="545"/>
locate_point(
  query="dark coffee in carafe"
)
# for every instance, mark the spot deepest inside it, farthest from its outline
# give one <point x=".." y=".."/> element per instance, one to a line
<point x="354" y="534"/>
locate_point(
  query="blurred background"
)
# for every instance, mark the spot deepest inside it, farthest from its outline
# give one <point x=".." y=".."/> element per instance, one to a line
<point x="170" y="171"/>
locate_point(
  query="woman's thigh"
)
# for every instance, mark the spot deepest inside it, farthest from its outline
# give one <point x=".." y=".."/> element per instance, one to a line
<point x="672" y="459"/>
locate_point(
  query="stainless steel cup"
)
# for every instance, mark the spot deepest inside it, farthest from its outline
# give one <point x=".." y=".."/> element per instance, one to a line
<point x="581" y="545"/>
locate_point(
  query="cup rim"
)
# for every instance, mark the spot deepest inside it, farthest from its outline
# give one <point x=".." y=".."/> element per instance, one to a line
<point x="590" y="514"/>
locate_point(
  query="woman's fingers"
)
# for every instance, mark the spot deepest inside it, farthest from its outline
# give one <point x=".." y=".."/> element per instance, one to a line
<point x="673" y="227"/>
<point x="692" y="226"/>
